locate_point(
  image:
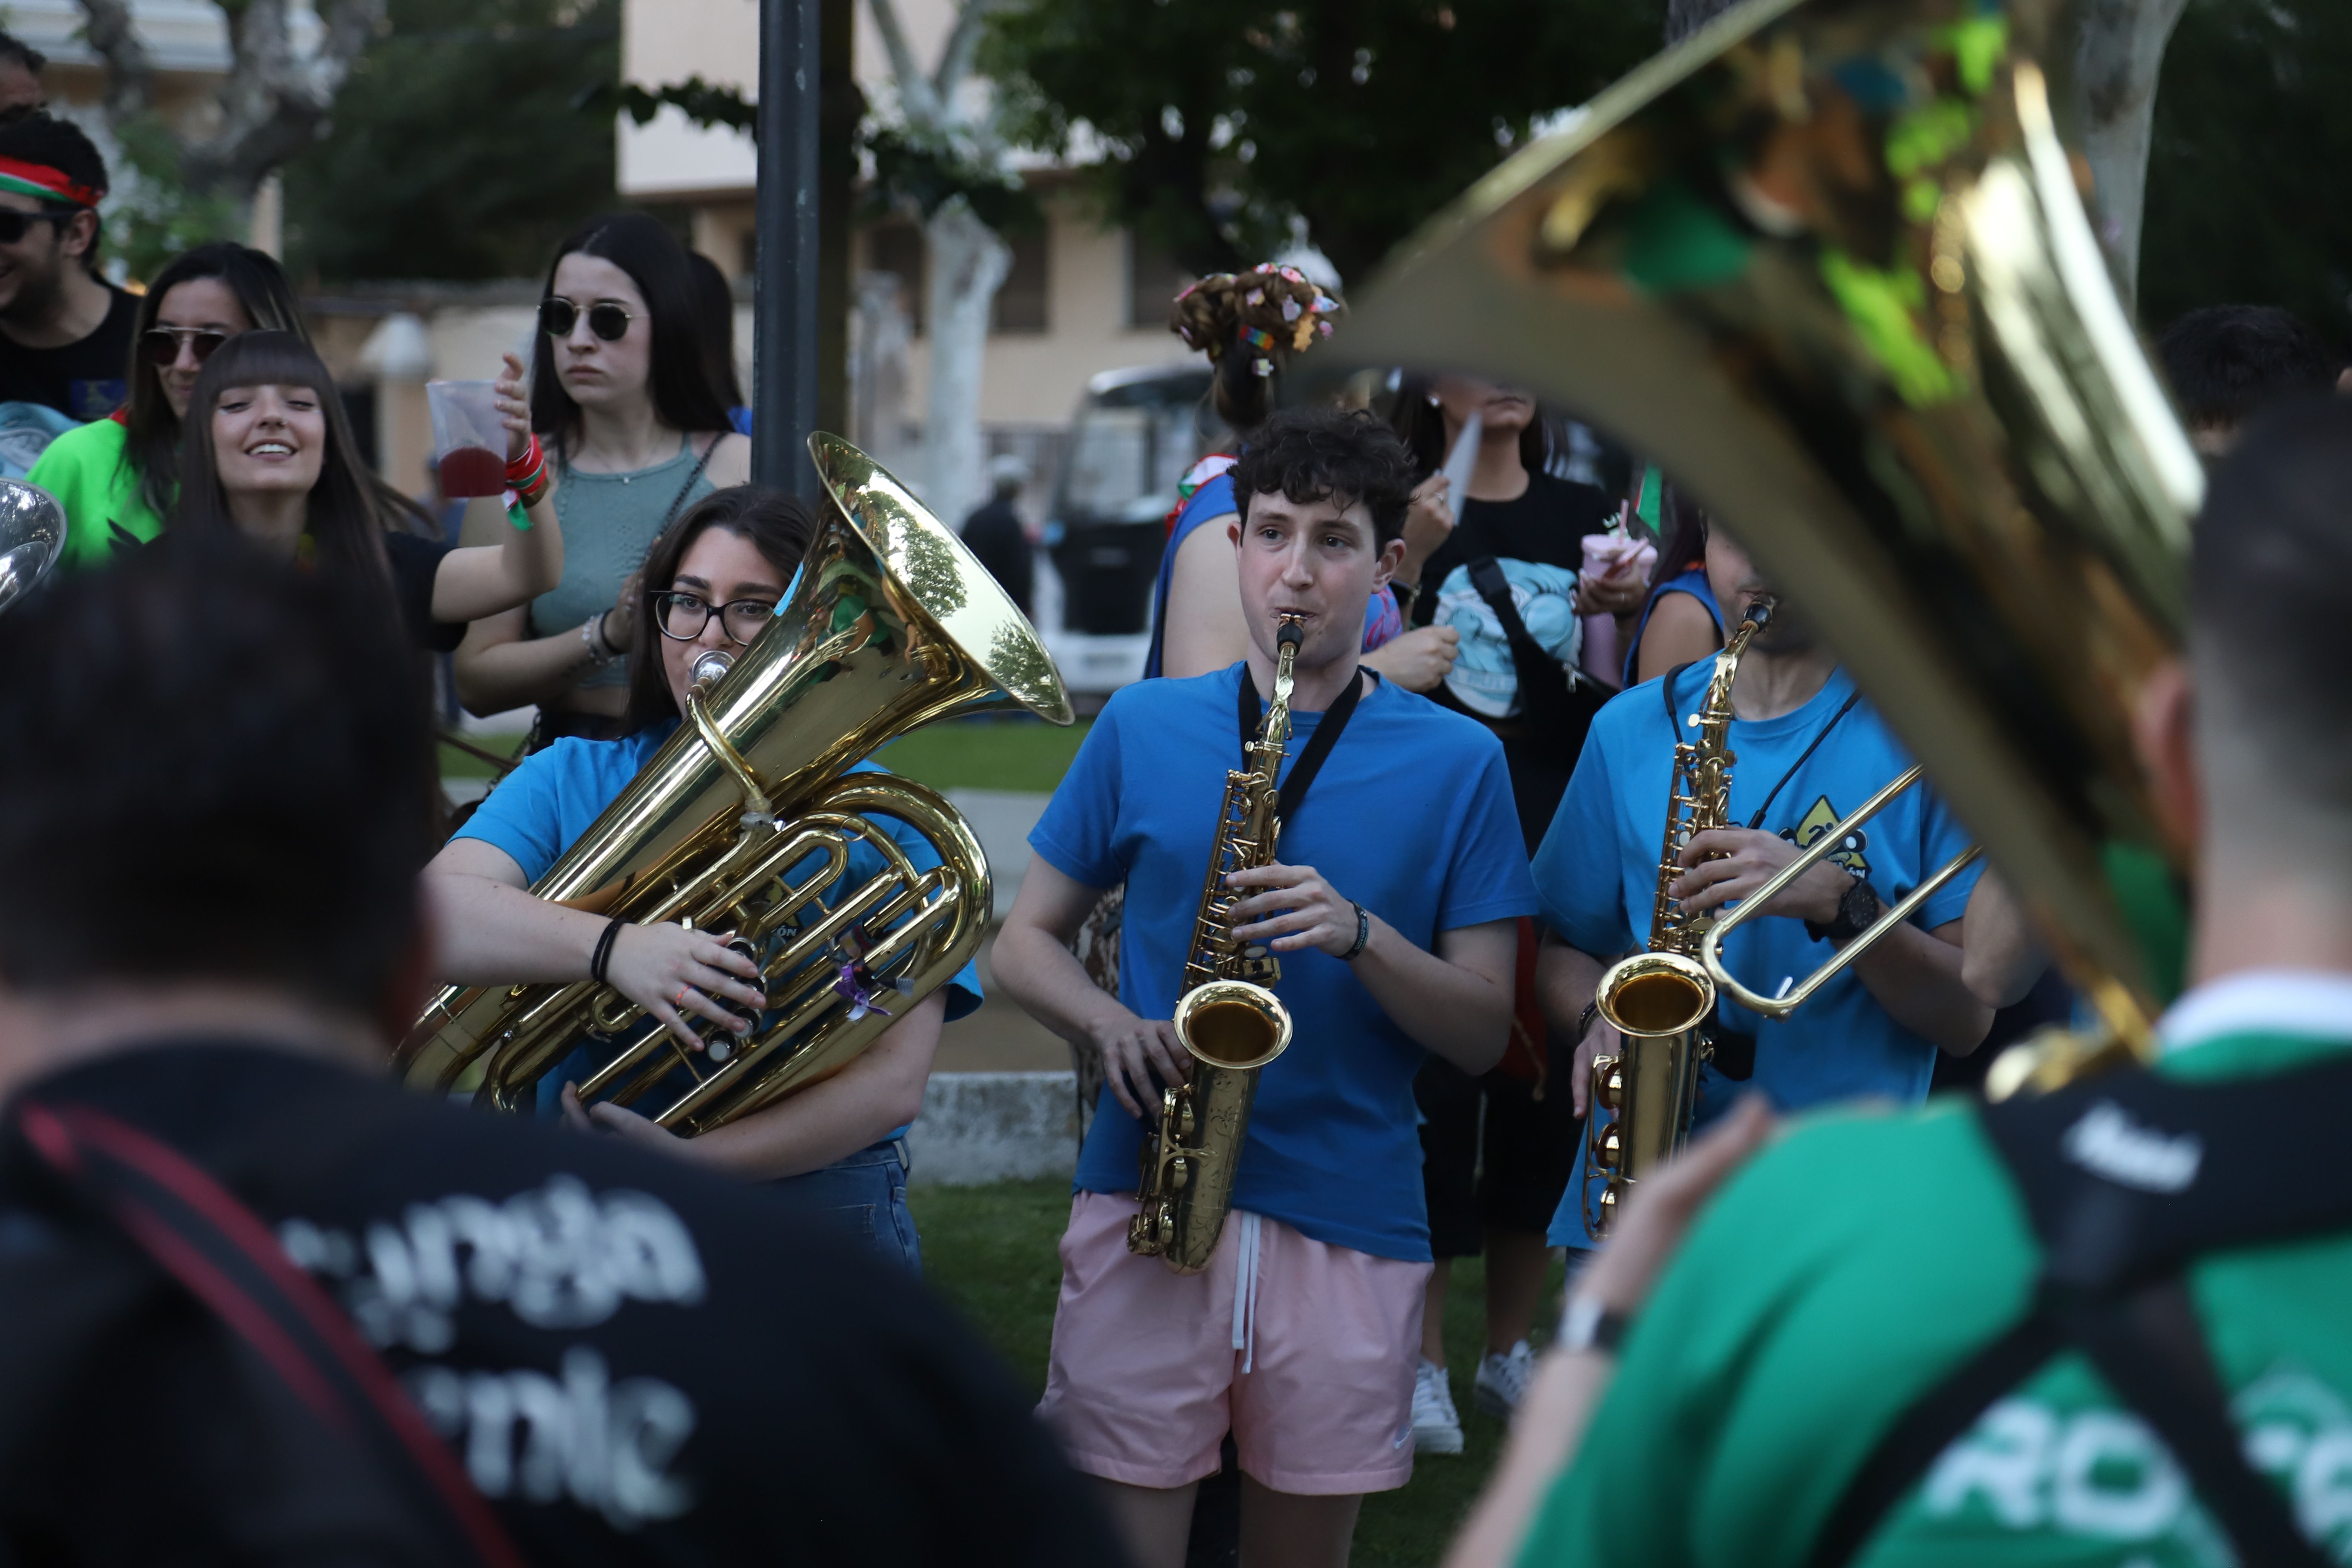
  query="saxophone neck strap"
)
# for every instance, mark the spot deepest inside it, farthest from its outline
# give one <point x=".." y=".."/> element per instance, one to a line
<point x="1674" y="729"/>
<point x="2127" y="1178"/>
<point x="1301" y="776"/>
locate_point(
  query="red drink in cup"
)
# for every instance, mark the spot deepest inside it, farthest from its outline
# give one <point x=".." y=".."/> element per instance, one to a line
<point x="472" y="471"/>
<point x="469" y="438"/>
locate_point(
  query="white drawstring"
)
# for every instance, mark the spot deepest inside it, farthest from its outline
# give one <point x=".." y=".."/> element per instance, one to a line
<point x="1246" y="1292"/>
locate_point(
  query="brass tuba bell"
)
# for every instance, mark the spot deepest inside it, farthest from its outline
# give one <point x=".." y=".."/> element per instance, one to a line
<point x="746" y="818"/>
<point x="1828" y="263"/>
<point x="32" y="538"/>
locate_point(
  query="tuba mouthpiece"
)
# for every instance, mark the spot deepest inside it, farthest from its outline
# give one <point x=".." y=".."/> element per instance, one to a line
<point x="710" y="668"/>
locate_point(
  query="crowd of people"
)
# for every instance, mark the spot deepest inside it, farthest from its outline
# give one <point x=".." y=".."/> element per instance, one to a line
<point x="332" y="1318"/>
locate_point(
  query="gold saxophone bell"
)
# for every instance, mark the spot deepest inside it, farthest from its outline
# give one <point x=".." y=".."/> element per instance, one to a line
<point x="744" y="822"/>
<point x="1827" y="262"/>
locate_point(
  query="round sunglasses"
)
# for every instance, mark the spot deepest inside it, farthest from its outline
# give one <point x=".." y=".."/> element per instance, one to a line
<point x="558" y="316"/>
<point x="162" y="345"/>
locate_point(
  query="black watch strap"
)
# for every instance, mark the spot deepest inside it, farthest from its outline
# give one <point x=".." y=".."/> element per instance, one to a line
<point x="1857" y="908"/>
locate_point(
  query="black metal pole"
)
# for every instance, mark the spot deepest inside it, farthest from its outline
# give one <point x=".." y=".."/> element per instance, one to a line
<point x="784" y="278"/>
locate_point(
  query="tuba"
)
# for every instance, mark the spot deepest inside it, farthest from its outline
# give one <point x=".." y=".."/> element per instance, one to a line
<point x="748" y="818"/>
<point x="1661" y="999"/>
<point x="1228" y="1018"/>
<point x="1827" y="261"/>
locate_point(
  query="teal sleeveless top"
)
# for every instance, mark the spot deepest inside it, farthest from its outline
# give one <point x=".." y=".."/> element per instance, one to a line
<point x="610" y="521"/>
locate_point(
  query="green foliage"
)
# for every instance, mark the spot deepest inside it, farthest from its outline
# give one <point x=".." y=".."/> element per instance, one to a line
<point x="1223" y="117"/>
<point x="2253" y="132"/>
<point x="706" y="105"/>
<point x="920" y="169"/>
<point x="456" y="150"/>
<point x="153" y="216"/>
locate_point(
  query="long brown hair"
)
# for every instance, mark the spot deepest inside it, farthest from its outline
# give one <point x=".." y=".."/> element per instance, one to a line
<point x="345" y="528"/>
<point x="780" y="526"/>
<point x="1420" y="424"/>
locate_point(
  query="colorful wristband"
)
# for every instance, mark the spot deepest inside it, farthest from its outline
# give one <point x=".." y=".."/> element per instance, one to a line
<point x="520" y="469"/>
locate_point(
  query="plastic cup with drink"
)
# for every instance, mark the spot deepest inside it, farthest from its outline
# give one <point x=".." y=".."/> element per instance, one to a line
<point x="469" y="438"/>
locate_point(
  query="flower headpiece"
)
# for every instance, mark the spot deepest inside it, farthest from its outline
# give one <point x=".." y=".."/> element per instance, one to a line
<point x="1267" y="310"/>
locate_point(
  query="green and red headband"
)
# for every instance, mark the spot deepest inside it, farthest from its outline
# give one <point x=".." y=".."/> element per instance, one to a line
<point x="46" y="184"/>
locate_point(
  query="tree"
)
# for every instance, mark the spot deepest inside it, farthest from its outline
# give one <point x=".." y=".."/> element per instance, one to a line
<point x="1223" y="120"/>
<point x="456" y="151"/>
<point x="2119" y="48"/>
<point x="943" y="161"/>
<point x="272" y="103"/>
<point x="2253" y="134"/>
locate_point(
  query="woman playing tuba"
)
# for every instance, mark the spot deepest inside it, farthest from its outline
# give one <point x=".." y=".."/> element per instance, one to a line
<point x="714" y="580"/>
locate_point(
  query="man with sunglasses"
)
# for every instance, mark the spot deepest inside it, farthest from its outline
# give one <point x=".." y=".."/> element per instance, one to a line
<point x="65" y="333"/>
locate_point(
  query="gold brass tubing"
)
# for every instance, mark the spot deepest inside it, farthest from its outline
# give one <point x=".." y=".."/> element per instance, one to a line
<point x="1821" y="848"/>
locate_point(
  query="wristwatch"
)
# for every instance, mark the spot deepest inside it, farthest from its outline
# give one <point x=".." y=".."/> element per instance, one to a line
<point x="1858" y="908"/>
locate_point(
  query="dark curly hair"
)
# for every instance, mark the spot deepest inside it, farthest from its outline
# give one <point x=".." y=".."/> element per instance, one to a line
<point x="1346" y="455"/>
<point x="2225" y="362"/>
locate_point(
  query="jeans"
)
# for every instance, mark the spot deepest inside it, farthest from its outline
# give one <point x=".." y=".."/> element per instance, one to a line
<point x="863" y="1195"/>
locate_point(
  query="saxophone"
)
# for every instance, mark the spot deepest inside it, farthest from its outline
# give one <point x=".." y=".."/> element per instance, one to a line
<point x="1227" y="1018"/>
<point x="1661" y="999"/>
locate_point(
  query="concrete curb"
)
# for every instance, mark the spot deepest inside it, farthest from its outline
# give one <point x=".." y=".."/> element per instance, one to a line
<point x="980" y="1127"/>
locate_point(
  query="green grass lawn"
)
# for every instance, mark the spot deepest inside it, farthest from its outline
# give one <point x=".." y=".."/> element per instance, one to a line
<point x="986" y="754"/>
<point x="990" y="1250"/>
<point x="459" y="764"/>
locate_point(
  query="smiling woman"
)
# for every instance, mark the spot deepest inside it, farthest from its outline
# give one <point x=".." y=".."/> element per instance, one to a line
<point x="268" y="454"/>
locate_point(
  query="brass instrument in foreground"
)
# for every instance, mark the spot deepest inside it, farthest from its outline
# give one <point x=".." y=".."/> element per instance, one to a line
<point x="32" y="538"/>
<point x="1227" y="1018"/>
<point x="1828" y="264"/>
<point x="1662" y="1000"/>
<point x="746" y="821"/>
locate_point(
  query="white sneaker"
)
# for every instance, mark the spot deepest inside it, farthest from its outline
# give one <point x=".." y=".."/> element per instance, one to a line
<point x="1436" y="1426"/>
<point x="1503" y="1380"/>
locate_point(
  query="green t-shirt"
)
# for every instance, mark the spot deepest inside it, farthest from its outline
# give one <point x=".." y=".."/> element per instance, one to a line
<point x="1853" y="1265"/>
<point x="86" y="471"/>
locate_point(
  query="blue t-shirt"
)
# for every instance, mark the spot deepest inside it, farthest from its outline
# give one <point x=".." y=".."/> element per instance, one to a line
<point x="1597" y="871"/>
<point x="1411" y="817"/>
<point x="555" y="795"/>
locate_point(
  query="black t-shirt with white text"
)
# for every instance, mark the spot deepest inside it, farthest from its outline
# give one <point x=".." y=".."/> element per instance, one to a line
<point x="634" y="1361"/>
<point x="84" y="380"/>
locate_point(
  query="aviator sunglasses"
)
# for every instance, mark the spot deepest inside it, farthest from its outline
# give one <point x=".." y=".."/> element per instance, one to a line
<point x="558" y="315"/>
<point x="15" y="225"/>
<point x="160" y="346"/>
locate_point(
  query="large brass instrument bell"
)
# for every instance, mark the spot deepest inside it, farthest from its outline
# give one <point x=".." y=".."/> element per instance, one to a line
<point x="746" y="820"/>
<point x="32" y="538"/>
<point x="1828" y="263"/>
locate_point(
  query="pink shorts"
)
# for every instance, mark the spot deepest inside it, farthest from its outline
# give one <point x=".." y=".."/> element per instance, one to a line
<point x="1303" y="1349"/>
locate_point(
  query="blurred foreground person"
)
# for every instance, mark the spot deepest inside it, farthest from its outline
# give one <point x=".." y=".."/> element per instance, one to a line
<point x="2102" y="1327"/>
<point x="265" y="1307"/>
<point x="2226" y="362"/>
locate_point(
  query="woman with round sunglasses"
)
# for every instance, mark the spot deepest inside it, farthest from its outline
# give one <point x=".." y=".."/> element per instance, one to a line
<point x="118" y="478"/>
<point x="722" y="569"/>
<point x="270" y="455"/>
<point x="636" y="432"/>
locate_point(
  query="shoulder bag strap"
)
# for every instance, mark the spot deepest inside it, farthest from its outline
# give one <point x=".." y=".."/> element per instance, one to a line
<point x="2127" y="1178"/>
<point x="197" y="1233"/>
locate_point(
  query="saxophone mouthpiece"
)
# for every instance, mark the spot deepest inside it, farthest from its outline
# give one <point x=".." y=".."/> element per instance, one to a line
<point x="1290" y="632"/>
<point x="710" y="668"/>
<point x="1759" y="611"/>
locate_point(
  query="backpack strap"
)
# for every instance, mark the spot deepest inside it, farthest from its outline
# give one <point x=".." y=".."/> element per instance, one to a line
<point x="2127" y="1178"/>
<point x="196" y="1233"/>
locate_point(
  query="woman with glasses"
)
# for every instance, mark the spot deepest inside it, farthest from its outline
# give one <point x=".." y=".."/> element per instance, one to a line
<point x="269" y="456"/>
<point x="717" y="574"/>
<point x="118" y="478"/>
<point x="622" y="392"/>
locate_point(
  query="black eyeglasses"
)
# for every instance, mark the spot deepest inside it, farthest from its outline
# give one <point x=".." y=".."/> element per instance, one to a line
<point x="14" y="225"/>
<point x="162" y="345"/>
<point x="683" y="615"/>
<point x="558" y="315"/>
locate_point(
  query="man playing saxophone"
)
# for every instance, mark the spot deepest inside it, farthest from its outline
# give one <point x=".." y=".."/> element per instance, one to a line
<point x="1397" y="876"/>
<point x="1805" y="750"/>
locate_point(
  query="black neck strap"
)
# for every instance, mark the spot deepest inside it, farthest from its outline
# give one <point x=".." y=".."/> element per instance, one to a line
<point x="1674" y="728"/>
<point x="1319" y="745"/>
